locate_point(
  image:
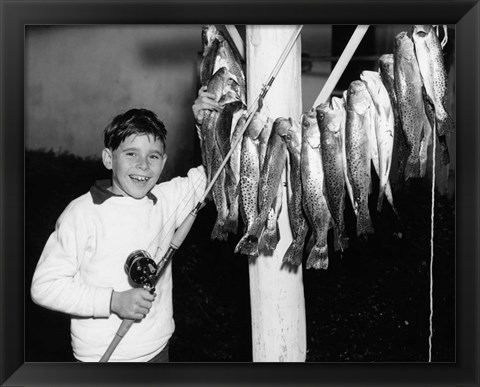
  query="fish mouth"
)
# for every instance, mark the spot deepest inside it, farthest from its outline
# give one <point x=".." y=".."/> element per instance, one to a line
<point x="421" y="30"/>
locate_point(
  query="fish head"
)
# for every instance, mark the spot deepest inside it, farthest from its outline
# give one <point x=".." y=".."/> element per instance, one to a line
<point x="337" y="103"/>
<point x="328" y="119"/>
<point x="293" y="137"/>
<point x="358" y="98"/>
<point x="373" y="81"/>
<point x="281" y="126"/>
<point x="421" y="30"/>
<point x="209" y="35"/>
<point x="255" y="126"/>
<point x="310" y="130"/>
<point x="385" y="63"/>
<point x="404" y="47"/>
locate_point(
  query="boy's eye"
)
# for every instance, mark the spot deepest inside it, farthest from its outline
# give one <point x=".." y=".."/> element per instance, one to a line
<point x="155" y="157"/>
<point x="130" y="154"/>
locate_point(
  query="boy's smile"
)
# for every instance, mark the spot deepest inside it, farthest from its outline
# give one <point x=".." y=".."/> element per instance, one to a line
<point x="136" y="165"/>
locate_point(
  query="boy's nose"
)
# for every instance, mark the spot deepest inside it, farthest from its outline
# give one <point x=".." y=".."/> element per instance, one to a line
<point x="142" y="163"/>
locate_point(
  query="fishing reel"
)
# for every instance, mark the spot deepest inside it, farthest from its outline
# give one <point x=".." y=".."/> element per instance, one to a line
<point x="142" y="269"/>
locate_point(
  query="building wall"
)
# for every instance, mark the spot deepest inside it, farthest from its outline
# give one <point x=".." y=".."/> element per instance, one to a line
<point x="79" y="77"/>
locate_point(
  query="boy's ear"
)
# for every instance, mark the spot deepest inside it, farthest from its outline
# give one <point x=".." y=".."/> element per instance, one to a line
<point x="107" y="158"/>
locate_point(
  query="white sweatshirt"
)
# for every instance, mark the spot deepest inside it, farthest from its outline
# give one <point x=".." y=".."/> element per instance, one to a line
<point x="83" y="262"/>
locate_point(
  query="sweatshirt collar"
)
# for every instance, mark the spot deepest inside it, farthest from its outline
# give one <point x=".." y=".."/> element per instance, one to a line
<point x="100" y="192"/>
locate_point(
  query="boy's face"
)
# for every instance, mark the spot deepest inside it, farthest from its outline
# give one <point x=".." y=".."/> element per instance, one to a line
<point x="136" y="165"/>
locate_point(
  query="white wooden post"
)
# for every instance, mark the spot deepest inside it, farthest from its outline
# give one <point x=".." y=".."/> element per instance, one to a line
<point x="276" y="294"/>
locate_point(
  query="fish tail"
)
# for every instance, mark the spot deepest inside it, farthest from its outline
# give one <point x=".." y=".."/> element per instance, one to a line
<point x="247" y="245"/>
<point x="340" y="241"/>
<point x="318" y="257"/>
<point x="381" y="195"/>
<point x="364" y="223"/>
<point x="446" y="125"/>
<point x="444" y="155"/>
<point x="269" y="238"/>
<point x="294" y="254"/>
<point x="219" y="232"/>
<point x="231" y="223"/>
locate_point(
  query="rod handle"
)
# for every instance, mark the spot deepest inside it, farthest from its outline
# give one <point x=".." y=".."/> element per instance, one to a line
<point x="122" y="330"/>
<point x="182" y="231"/>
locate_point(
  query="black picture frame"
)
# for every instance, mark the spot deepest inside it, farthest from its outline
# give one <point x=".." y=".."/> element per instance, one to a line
<point x="16" y="14"/>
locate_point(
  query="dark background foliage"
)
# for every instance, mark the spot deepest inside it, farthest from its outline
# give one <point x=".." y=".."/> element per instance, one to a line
<point x="372" y="304"/>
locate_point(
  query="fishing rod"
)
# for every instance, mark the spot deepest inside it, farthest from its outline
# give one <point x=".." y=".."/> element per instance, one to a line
<point x="139" y="265"/>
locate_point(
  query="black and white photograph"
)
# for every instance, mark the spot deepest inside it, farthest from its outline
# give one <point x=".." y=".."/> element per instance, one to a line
<point x="232" y="194"/>
<point x="323" y="157"/>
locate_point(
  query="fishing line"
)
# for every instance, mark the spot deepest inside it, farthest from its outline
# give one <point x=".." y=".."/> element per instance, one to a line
<point x="431" y="243"/>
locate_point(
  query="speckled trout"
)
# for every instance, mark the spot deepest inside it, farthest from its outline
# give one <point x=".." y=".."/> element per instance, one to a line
<point x="218" y="53"/>
<point x="386" y="69"/>
<point x="382" y="133"/>
<point x="249" y="179"/>
<point x="296" y="216"/>
<point x="357" y="144"/>
<point x="270" y="179"/>
<point x="411" y="108"/>
<point x="233" y="183"/>
<point x="215" y="135"/>
<point x="434" y="76"/>
<point x="315" y="203"/>
<point x="330" y="122"/>
<point x="338" y="104"/>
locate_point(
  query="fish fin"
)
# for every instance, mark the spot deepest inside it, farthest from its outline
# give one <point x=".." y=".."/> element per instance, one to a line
<point x="364" y="222"/>
<point x="445" y="126"/>
<point x="269" y="239"/>
<point x="318" y="258"/>
<point x="340" y="241"/>
<point x="247" y="245"/>
<point x="444" y="156"/>
<point x="294" y="254"/>
<point x="219" y="232"/>
<point x="381" y="195"/>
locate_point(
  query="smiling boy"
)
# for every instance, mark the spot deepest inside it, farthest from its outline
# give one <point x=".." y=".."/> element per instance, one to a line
<point x="81" y="269"/>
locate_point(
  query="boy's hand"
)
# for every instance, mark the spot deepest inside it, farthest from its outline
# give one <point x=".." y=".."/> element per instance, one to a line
<point x="204" y="101"/>
<point x="133" y="304"/>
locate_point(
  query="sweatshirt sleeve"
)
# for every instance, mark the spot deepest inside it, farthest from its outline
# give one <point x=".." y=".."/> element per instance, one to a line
<point x="56" y="284"/>
<point x="187" y="192"/>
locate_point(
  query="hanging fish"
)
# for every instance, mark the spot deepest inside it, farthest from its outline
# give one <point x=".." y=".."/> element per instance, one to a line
<point x="434" y="76"/>
<point x="215" y="133"/>
<point x="249" y="178"/>
<point x="330" y="123"/>
<point x="357" y="144"/>
<point x="233" y="184"/>
<point x="270" y="178"/>
<point x="218" y="53"/>
<point x="386" y="69"/>
<point x="315" y="203"/>
<point x="270" y="235"/>
<point x="298" y="222"/>
<point x="411" y="108"/>
<point x="338" y="104"/>
<point x="383" y="127"/>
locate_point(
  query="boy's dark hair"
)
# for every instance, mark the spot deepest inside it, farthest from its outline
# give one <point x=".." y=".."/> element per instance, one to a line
<point x="133" y="121"/>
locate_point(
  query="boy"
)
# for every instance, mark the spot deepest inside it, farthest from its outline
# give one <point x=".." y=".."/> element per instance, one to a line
<point x="81" y="269"/>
